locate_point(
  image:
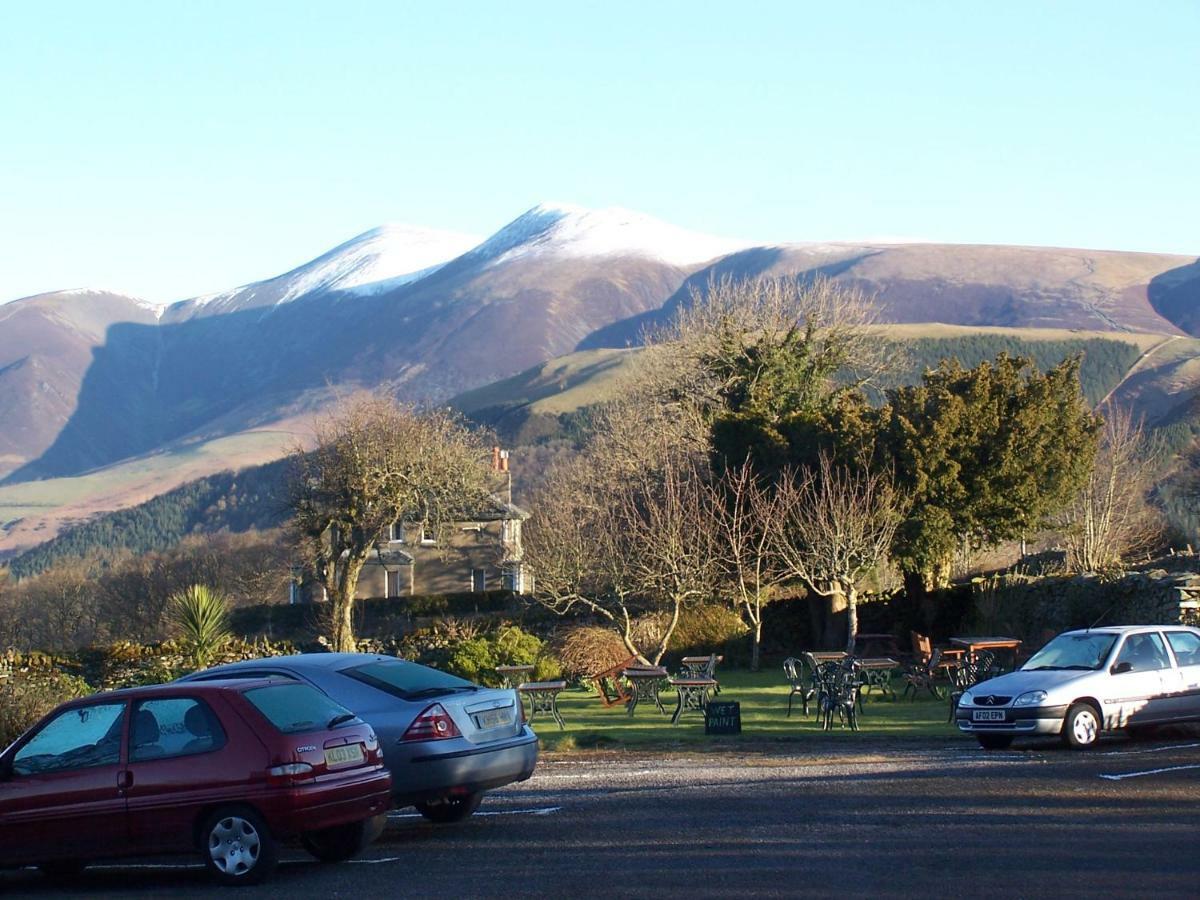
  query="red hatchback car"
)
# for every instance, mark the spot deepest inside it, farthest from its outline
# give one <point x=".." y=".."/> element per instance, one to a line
<point x="224" y="768"/>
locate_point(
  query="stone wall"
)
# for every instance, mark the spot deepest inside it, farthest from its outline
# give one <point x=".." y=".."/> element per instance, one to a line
<point x="1035" y="609"/>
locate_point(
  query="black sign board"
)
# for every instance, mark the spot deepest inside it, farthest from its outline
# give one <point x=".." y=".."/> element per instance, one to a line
<point x="723" y="717"/>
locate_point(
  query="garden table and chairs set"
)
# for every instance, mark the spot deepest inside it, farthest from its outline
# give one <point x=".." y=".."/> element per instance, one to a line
<point x="835" y="681"/>
<point x="627" y="682"/>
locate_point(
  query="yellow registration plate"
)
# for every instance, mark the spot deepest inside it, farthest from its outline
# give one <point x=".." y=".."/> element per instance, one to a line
<point x="340" y="756"/>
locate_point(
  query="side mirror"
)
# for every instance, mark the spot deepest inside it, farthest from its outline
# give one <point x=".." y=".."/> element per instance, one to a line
<point x="1121" y="668"/>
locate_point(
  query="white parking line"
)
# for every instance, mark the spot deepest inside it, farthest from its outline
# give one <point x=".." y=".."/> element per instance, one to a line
<point x="1149" y="750"/>
<point x="1149" y="772"/>
<point x="566" y="776"/>
<point x="535" y="811"/>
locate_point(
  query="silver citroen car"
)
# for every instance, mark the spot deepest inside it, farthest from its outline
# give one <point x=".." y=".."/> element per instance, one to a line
<point x="1087" y="682"/>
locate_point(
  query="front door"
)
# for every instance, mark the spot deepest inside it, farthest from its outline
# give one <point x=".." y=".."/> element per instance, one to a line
<point x="1139" y="682"/>
<point x="61" y="798"/>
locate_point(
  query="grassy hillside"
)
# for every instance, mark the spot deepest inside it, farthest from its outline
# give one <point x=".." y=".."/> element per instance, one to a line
<point x="549" y="401"/>
<point x="545" y="409"/>
<point x="226" y="501"/>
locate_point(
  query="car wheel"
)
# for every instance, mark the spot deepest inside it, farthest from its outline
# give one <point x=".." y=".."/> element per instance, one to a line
<point x="995" y="741"/>
<point x="63" y="869"/>
<point x="452" y="809"/>
<point x="334" y="845"/>
<point x="1081" y="727"/>
<point x="238" y="847"/>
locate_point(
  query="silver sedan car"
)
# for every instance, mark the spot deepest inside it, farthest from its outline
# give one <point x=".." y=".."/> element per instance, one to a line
<point x="445" y="740"/>
<point x="1086" y="682"/>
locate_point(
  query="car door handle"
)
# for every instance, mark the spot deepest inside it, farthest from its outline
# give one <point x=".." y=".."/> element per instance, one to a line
<point x="124" y="780"/>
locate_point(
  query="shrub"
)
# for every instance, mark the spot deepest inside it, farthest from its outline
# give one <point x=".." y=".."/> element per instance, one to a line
<point x="476" y="658"/>
<point x="709" y="628"/>
<point x="201" y="617"/>
<point x="27" y="696"/>
<point x="584" y="650"/>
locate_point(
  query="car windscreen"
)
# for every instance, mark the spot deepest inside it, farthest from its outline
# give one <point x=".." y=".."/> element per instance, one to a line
<point x="294" y="708"/>
<point x="1073" y="651"/>
<point x="408" y="681"/>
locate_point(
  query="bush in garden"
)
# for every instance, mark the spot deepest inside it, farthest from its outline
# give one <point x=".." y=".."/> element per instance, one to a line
<point x="201" y="619"/>
<point x="584" y="650"/>
<point x="476" y="658"/>
<point x="708" y="628"/>
<point x="28" y="695"/>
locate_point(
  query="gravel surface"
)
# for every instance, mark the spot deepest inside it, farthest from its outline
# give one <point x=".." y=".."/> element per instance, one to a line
<point x="783" y="821"/>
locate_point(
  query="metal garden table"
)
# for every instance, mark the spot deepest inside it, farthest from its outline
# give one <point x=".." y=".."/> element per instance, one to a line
<point x="693" y="695"/>
<point x="543" y="697"/>
<point x="644" y="683"/>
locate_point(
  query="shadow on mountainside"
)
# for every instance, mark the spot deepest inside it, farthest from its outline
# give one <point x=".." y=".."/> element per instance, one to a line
<point x="148" y="385"/>
<point x="1175" y="295"/>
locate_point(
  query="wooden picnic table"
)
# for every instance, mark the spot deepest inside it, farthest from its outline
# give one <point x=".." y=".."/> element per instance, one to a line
<point x="864" y="644"/>
<point x="644" y="683"/>
<point x="973" y="644"/>
<point x="543" y="697"/>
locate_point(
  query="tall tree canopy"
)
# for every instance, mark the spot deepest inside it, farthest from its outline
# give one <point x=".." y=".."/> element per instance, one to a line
<point x="376" y="463"/>
<point x="985" y="455"/>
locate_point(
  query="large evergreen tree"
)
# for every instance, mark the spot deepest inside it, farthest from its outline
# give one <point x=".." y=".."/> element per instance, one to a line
<point x="985" y="455"/>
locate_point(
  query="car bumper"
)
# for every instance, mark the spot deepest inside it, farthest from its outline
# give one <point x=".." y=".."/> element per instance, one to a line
<point x="1017" y="721"/>
<point x="312" y="807"/>
<point x="432" y="772"/>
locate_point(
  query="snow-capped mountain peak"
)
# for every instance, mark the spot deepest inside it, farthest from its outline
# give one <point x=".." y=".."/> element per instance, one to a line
<point x="370" y="263"/>
<point x="566" y="230"/>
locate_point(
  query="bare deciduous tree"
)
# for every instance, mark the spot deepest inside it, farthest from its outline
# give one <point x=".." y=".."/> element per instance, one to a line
<point x="738" y="341"/>
<point x="747" y="519"/>
<point x="838" y="525"/>
<point x="624" y="545"/>
<point x="377" y="463"/>
<point x="1109" y="520"/>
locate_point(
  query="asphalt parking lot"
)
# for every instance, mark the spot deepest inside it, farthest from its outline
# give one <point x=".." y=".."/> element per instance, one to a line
<point x="790" y="821"/>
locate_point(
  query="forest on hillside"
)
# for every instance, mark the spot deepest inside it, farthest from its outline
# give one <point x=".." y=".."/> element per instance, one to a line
<point x="253" y="497"/>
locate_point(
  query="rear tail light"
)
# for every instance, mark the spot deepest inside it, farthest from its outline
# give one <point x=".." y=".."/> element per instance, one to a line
<point x="434" y="724"/>
<point x="290" y="773"/>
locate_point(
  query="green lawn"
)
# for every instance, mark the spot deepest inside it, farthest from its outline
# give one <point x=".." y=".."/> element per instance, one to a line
<point x="763" y="697"/>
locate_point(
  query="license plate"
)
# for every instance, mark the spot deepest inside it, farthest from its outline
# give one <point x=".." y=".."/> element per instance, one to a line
<point x="987" y="715"/>
<point x="493" y="718"/>
<point x="338" y="756"/>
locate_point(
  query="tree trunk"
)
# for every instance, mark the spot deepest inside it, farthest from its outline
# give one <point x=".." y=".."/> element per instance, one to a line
<point x="851" y="618"/>
<point x="342" y="613"/>
<point x="756" y="646"/>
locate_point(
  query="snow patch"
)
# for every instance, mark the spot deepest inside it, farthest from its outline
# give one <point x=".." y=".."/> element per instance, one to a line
<point x="565" y="230"/>
<point x="375" y="261"/>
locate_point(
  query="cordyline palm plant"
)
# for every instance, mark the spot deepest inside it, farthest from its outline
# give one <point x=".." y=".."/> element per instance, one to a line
<point x="201" y="616"/>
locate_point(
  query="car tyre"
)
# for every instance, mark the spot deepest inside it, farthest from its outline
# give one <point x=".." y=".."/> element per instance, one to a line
<point x="335" y="845"/>
<point x="452" y="809"/>
<point x="1081" y="726"/>
<point x="995" y="741"/>
<point x="237" y="846"/>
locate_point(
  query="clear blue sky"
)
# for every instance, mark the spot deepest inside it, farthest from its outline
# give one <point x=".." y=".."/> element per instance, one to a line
<point x="170" y="149"/>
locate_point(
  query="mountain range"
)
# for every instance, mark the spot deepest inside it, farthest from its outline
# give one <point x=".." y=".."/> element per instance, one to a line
<point x="90" y="379"/>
